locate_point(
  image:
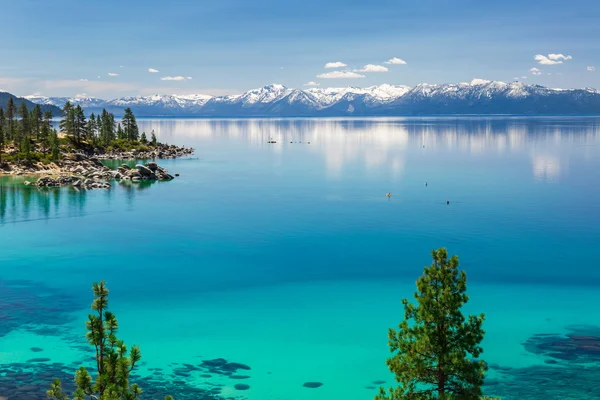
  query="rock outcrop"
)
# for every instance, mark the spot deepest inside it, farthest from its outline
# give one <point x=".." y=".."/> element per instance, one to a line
<point x="160" y="151"/>
<point x="89" y="173"/>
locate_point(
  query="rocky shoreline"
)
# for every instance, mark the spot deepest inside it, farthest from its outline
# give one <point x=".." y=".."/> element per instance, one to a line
<point x="82" y="171"/>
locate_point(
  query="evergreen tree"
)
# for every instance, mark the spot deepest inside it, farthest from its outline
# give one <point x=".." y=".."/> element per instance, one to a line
<point x="11" y="112"/>
<point x="144" y="139"/>
<point x="26" y="148"/>
<point x="36" y="121"/>
<point x="436" y="348"/>
<point x="24" y="130"/>
<point x="114" y="364"/>
<point x="1" y="133"/>
<point x="120" y="132"/>
<point x="90" y="129"/>
<point x="55" y="150"/>
<point x="79" y="123"/>
<point x="107" y="127"/>
<point x="67" y="123"/>
<point x="130" y="127"/>
<point x="46" y="131"/>
<point x="153" y="138"/>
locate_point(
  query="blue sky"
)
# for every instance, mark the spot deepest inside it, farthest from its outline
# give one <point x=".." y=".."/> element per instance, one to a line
<point x="65" y="47"/>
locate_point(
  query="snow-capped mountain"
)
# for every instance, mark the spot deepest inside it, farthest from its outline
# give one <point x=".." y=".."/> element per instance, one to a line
<point x="80" y="99"/>
<point x="476" y="97"/>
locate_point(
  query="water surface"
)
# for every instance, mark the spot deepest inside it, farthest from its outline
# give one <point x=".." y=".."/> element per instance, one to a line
<point x="290" y="259"/>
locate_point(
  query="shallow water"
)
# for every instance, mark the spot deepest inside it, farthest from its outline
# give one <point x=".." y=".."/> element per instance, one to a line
<point x="290" y="259"/>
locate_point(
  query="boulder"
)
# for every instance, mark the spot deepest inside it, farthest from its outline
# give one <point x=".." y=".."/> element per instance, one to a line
<point x="143" y="170"/>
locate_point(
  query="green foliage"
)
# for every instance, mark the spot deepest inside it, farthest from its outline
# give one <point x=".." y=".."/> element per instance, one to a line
<point x="436" y="349"/>
<point x="144" y="139"/>
<point x="130" y="127"/>
<point x="153" y="138"/>
<point x="54" y="146"/>
<point x="67" y="123"/>
<point x="2" y="120"/>
<point x="113" y="360"/>
<point x="25" y="153"/>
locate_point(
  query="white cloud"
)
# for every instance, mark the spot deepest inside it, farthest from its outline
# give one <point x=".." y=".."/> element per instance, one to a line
<point x="551" y="59"/>
<point x="311" y="83"/>
<point x="173" y="78"/>
<point x="120" y="66"/>
<point x="372" y="68"/>
<point x="591" y="68"/>
<point x="112" y="74"/>
<point x="98" y="77"/>
<point x="535" y="71"/>
<point x="83" y="80"/>
<point x="336" y="64"/>
<point x="396" y="61"/>
<point x="340" y="75"/>
<point x="559" y="57"/>
<point x="523" y="77"/>
<point x="188" y="77"/>
<point x="152" y="70"/>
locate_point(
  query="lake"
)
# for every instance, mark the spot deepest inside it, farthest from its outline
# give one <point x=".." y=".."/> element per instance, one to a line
<point x="289" y="259"/>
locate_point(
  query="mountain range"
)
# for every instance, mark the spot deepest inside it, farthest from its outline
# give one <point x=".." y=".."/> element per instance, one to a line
<point x="476" y="97"/>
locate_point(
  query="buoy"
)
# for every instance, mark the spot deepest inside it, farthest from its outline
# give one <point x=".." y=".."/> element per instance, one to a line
<point x="425" y="183"/>
<point x="389" y="195"/>
<point x="447" y="201"/>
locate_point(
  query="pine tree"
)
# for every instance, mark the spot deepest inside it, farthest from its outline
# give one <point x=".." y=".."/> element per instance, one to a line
<point x="436" y="348"/>
<point x="90" y="129"/>
<point x="79" y="123"/>
<point x="120" y="132"/>
<point x="36" y="121"/>
<point x="130" y="127"/>
<point x="113" y="363"/>
<point x="26" y="148"/>
<point x="153" y="138"/>
<point x="55" y="150"/>
<point x="1" y="133"/>
<point x="67" y="123"/>
<point x="11" y="112"/>
<point x="24" y="130"/>
<point x="144" y="139"/>
<point x="46" y="131"/>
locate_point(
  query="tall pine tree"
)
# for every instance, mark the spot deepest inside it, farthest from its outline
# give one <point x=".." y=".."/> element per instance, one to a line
<point x="1" y="133"/>
<point x="130" y="128"/>
<point x="46" y="131"/>
<point x="24" y="130"/>
<point x="67" y="123"/>
<point x="436" y="348"/>
<point x="115" y="363"/>
<point x="79" y="123"/>
<point x="36" y="121"/>
<point x="11" y="112"/>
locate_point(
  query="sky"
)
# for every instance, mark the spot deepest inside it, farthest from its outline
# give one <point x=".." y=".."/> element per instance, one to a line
<point x="113" y="48"/>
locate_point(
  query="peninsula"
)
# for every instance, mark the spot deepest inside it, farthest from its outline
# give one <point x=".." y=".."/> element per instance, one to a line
<point x="29" y="145"/>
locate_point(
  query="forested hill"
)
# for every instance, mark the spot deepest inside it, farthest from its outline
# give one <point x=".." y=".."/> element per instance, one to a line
<point x="4" y="96"/>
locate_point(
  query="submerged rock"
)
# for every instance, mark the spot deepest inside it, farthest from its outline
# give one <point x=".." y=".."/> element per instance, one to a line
<point x="312" y="385"/>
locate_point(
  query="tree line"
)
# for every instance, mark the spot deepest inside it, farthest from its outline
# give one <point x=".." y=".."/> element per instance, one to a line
<point x="101" y="130"/>
<point x="30" y="134"/>
<point x="19" y="127"/>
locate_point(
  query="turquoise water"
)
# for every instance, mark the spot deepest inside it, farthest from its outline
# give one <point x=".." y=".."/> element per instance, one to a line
<point x="290" y="259"/>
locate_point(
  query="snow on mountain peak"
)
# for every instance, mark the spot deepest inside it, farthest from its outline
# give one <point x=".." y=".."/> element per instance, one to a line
<point x="277" y="99"/>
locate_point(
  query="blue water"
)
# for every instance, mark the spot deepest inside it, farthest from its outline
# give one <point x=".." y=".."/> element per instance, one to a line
<point x="289" y="257"/>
